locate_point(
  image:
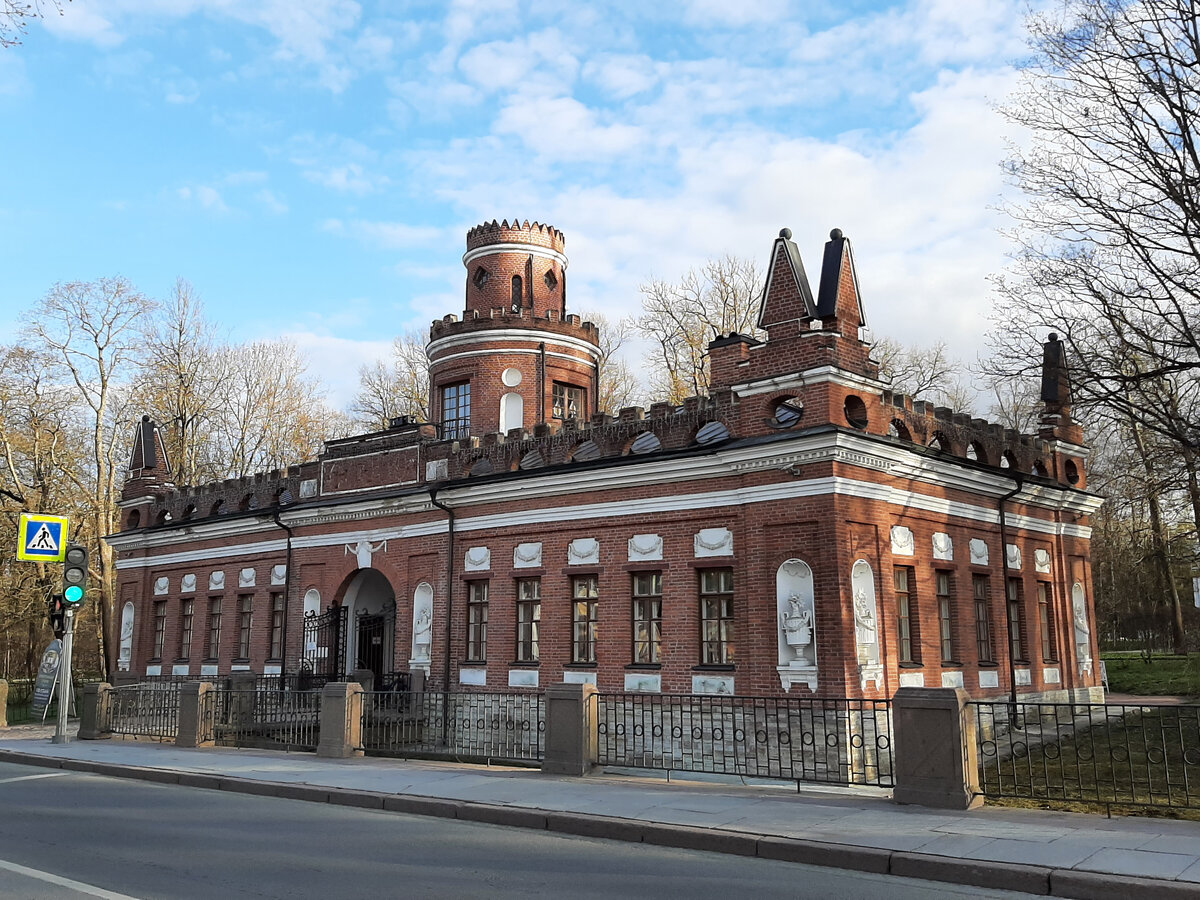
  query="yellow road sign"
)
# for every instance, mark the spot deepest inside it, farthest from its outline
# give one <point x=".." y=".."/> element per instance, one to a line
<point x="42" y="538"/>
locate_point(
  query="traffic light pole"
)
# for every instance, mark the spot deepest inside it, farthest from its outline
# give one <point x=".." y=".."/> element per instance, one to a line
<point x="64" y="678"/>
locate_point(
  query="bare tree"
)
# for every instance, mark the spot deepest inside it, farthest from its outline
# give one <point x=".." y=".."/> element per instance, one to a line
<point x="399" y="387"/>
<point x="93" y="331"/>
<point x="619" y="386"/>
<point x="15" y="16"/>
<point x="680" y="319"/>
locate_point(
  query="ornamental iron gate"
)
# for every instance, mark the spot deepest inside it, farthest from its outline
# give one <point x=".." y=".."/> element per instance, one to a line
<point x="374" y="648"/>
<point x="324" y="657"/>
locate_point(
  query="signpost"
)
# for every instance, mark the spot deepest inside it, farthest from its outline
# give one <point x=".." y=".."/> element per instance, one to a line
<point x="44" y="538"/>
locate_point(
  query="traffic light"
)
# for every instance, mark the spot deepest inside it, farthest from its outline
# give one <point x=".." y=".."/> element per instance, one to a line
<point x="56" y="609"/>
<point x="75" y="575"/>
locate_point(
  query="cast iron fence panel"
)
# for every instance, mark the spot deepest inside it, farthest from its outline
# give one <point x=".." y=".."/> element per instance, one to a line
<point x="325" y="643"/>
<point x="837" y="741"/>
<point x="266" y="718"/>
<point x="1136" y="755"/>
<point x="455" y="725"/>
<point x="300" y="681"/>
<point x="148" y="709"/>
<point x="19" y="710"/>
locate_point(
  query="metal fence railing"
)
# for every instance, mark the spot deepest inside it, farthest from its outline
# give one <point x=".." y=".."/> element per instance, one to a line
<point x="472" y="726"/>
<point x="145" y="710"/>
<point x="837" y="741"/>
<point x="266" y="718"/>
<point x="19" y="709"/>
<point x="1110" y="754"/>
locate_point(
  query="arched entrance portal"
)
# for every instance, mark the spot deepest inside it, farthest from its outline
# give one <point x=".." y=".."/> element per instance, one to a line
<point x="371" y="607"/>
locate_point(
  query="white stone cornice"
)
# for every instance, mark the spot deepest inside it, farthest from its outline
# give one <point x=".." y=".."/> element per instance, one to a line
<point x="819" y="375"/>
<point x="508" y="336"/>
<point x="530" y="249"/>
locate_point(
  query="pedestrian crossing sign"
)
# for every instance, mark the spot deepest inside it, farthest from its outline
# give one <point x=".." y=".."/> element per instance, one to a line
<point x="42" y="538"/>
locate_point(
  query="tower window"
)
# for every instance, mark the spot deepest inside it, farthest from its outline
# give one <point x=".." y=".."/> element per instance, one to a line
<point x="568" y="401"/>
<point x="456" y="410"/>
<point x="551" y="279"/>
<point x="518" y="289"/>
<point x="481" y="277"/>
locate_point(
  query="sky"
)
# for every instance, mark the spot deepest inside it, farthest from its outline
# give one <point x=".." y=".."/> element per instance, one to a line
<point x="312" y="166"/>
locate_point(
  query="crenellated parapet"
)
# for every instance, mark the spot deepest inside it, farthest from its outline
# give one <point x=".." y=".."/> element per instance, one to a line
<point x="518" y="232"/>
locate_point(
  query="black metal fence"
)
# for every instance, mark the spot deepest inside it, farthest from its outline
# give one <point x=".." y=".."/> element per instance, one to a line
<point x="466" y="726"/>
<point x="1108" y="754"/>
<point x="324" y="648"/>
<point x="19" y="709"/>
<point x="265" y="717"/>
<point x="836" y="741"/>
<point x="149" y="709"/>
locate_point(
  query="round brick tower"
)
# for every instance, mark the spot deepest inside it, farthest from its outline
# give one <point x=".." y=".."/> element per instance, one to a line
<point x="516" y="358"/>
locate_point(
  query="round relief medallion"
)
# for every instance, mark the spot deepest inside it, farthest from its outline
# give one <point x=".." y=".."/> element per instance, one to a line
<point x="511" y="377"/>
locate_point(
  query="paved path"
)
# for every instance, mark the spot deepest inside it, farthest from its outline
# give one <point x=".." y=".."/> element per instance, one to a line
<point x="1039" y="852"/>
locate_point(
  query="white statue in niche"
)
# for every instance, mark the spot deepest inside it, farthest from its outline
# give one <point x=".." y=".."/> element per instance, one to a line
<point x="1083" y="633"/>
<point x="866" y="617"/>
<point x="797" y="623"/>
<point x="422" y="624"/>
<point x="795" y="605"/>
<point x="126" y="653"/>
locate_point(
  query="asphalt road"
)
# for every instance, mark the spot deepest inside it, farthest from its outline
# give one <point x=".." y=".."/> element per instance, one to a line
<point x="73" y="835"/>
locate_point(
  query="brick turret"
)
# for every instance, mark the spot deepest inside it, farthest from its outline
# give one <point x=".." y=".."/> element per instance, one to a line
<point x="517" y="359"/>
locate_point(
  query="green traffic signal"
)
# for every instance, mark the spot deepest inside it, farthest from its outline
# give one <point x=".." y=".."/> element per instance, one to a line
<point x="75" y="575"/>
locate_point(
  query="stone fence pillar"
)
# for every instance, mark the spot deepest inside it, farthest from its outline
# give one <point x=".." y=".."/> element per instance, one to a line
<point x="196" y="715"/>
<point x="3" y="703"/>
<point x="364" y="677"/>
<point x="93" y="712"/>
<point x="570" y="729"/>
<point x="243" y="699"/>
<point x="341" y="720"/>
<point x="937" y="759"/>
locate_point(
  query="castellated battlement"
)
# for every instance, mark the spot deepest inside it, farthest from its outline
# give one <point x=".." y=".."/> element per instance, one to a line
<point x="516" y="233"/>
<point x="551" y="323"/>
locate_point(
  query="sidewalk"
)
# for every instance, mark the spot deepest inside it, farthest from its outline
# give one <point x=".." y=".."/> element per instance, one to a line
<point x="1040" y="852"/>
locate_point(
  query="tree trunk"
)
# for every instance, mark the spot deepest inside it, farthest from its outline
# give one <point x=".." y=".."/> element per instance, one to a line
<point x="1159" y="542"/>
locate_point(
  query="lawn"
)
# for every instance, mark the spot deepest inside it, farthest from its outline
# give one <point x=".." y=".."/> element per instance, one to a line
<point x="1129" y="673"/>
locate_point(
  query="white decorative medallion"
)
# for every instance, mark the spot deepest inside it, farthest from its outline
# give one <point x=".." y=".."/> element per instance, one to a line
<point x="579" y="678"/>
<point x="989" y="679"/>
<point x="943" y="546"/>
<point x="1012" y="556"/>
<point x="216" y="581"/>
<point x="364" y="550"/>
<point x="583" y="552"/>
<point x="279" y="574"/>
<point x="795" y="609"/>
<point x="902" y="541"/>
<point x="713" y="542"/>
<point x="979" y="552"/>
<point x="187" y="584"/>
<point x="437" y="470"/>
<point x="475" y="677"/>
<point x="308" y="489"/>
<point x="162" y="584"/>
<point x="1041" y="560"/>
<point x="912" y="679"/>
<point x="952" y="679"/>
<point x="246" y="578"/>
<point x="477" y="559"/>
<point x="645" y="547"/>
<point x="712" y="684"/>
<point x="528" y="556"/>
<point x="643" y="684"/>
<point x="523" y="678"/>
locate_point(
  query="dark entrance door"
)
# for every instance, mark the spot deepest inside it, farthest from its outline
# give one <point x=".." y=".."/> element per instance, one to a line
<point x="374" y="635"/>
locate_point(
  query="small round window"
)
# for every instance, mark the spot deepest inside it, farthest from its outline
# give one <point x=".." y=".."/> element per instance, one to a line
<point x="856" y="413"/>
<point x="511" y="377"/>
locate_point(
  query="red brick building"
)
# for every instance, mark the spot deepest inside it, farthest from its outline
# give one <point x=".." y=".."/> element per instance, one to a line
<point x="800" y="529"/>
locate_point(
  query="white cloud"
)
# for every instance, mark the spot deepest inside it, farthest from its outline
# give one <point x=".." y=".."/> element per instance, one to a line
<point x="389" y="235"/>
<point x="624" y="75"/>
<point x="501" y="65"/>
<point x="563" y="127"/>
<point x="80" y="21"/>
<point x="350" y="178"/>
<point x="743" y="12"/>
<point x="327" y="357"/>
<point x="204" y="196"/>
<point x="272" y="202"/>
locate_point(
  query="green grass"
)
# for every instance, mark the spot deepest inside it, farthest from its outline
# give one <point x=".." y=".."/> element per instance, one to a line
<point x="1099" y="758"/>
<point x="1162" y="676"/>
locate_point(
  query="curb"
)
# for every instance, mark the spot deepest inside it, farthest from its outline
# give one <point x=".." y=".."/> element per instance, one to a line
<point x="1040" y="880"/>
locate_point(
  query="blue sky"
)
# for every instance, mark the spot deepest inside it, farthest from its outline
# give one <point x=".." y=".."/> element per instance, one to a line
<point x="311" y="166"/>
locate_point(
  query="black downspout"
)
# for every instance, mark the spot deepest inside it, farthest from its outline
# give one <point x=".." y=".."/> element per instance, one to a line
<point x="1012" y="666"/>
<point x="542" y="384"/>
<point x="433" y="491"/>
<point x="287" y="594"/>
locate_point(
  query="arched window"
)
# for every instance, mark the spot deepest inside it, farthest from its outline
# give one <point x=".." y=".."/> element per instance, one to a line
<point x="518" y="292"/>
